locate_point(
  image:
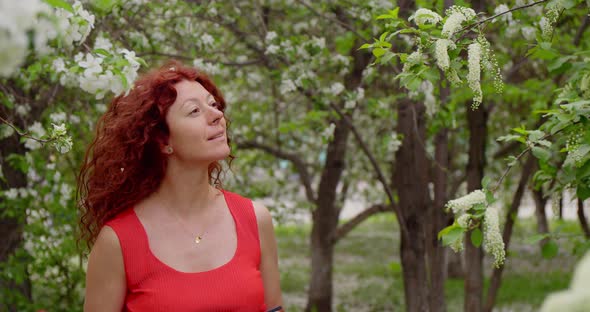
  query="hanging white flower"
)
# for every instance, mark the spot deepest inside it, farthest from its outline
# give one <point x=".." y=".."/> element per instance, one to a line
<point x="462" y="204"/>
<point x="473" y="77"/>
<point x="425" y="16"/>
<point x="441" y="53"/>
<point x="492" y="237"/>
<point x="456" y="16"/>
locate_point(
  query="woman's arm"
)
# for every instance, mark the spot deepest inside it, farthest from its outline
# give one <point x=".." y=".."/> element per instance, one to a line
<point x="105" y="276"/>
<point x="269" y="263"/>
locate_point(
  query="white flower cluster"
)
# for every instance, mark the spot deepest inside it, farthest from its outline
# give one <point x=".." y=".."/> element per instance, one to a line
<point x="546" y="22"/>
<point x="336" y="88"/>
<point x="441" y="52"/>
<point x="62" y="141"/>
<point x="491" y="63"/>
<point x="17" y="20"/>
<point x="354" y="98"/>
<point x="424" y="17"/>
<point x="464" y="220"/>
<point x="287" y="86"/>
<point x="474" y="76"/>
<point x="328" y="133"/>
<point x="456" y="16"/>
<point x="462" y="204"/>
<point x="97" y="74"/>
<point x="577" y="296"/>
<point x="427" y="89"/>
<point x="492" y="238"/>
<point x="505" y="17"/>
<point x="36" y="130"/>
<point x="77" y="26"/>
<point x="414" y="58"/>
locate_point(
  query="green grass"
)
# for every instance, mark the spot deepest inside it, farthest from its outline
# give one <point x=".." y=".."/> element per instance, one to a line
<point x="367" y="272"/>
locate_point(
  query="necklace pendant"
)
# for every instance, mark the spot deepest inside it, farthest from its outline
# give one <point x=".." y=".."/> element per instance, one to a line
<point x="198" y="239"/>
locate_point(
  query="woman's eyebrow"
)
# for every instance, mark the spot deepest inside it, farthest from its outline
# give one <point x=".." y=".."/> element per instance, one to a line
<point x="194" y="99"/>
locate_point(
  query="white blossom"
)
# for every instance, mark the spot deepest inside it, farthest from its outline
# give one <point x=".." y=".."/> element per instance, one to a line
<point x="270" y="36"/>
<point x="272" y="49"/>
<point x="23" y="109"/>
<point x="464" y="220"/>
<point x="456" y="16"/>
<point x="287" y="86"/>
<point x="11" y="193"/>
<point x="425" y="16"/>
<point x="462" y="204"/>
<point x="501" y="9"/>
<point x="57" y="117"/>
<point x="492" y="237"/>
<point x="441" y="53"/>
<point x="427" y="89"/>
<point x="414" y="58"/>
<point x="529" y="32"/>
<point x="207" y="39"/>
<point x="103" y="43"/>
<point x="474" y="75"/>
<point x="336" y="88"/>
<point x="328" y="132"/>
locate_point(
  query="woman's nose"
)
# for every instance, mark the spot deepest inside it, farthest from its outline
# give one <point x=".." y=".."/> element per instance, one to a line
<point x="215" y="115"/>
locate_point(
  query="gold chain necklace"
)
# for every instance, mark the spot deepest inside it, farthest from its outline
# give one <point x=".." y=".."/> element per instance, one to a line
<point x="196" y="238"/>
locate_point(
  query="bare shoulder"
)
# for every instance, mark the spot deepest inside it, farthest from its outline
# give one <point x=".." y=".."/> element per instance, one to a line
<point x="263" y="215"/>
<point x="105" y="276"/>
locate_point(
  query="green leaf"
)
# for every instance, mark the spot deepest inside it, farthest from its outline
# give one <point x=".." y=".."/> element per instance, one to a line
<point x="533" y="239"/>
<point x="104" y="6"/>
<point x="476" y="237"/>
<point x="583" y="191"/>
<point x="60" y="4"/>
<point x="365" y="46"/>
<point x="102" y="52"/>
<point x="378" y="52"/>
<point x="541" y="153"/>
<point x="451" y="233"/>
<point x="395" y="267"/>
<point x="550" y="249"/>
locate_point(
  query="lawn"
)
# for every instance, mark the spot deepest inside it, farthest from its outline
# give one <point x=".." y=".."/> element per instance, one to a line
<point x="367" y="272"/>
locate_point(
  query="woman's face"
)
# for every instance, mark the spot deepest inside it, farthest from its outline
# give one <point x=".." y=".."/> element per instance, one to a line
<point x="197" y="126"/>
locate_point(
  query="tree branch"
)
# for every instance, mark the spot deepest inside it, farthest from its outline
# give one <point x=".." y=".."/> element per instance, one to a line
<point x="581" y="30"/>
<point x="297" y="161"/>
<point x="345" y="228"/>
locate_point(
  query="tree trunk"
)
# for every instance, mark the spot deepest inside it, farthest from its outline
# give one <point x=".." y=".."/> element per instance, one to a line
<point x="582" y="218"/>
<point x="436" y="252"/>
<point x="540" y="214"/>
<point x="325" y="223"/>
<point x="11" y="228"/>
<point x="410" y="177"/>
<point x="477" y="121"/>
<point x="325" y="216"/>
<point x="507" y="233"/>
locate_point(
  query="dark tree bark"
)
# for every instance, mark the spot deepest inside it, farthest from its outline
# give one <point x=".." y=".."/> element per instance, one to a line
<point x="477" y="122"/>
<point x="541" y="216"/>
<point x="11" y="228"/>
<point x="325" y="216"/>
<point x="582" y="218"/>
<point x="436" y="252"/>
<point x="325" y="223"/>
<point x="410" y="177"/>
<point x="507" y="233"/>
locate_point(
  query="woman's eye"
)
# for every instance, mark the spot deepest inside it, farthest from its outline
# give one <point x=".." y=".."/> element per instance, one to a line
<point x="194" y="111"/>
<point x="215" y="104"/>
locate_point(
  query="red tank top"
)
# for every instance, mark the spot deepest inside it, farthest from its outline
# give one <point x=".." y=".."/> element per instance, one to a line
<point x="155" y="286"/>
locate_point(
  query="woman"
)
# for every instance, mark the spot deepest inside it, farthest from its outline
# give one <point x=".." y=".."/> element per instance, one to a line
<point x="164" y="235"/>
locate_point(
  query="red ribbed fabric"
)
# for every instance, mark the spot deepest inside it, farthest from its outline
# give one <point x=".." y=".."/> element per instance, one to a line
<point x="154" y="286"/>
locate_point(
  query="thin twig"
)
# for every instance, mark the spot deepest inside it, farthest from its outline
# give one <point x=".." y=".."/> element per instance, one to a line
<point x="24" y="134"/>
<point x="468" y="27"/>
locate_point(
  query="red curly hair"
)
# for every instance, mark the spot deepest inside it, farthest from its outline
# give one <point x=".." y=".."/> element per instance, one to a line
<point x="124" y="163"/>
